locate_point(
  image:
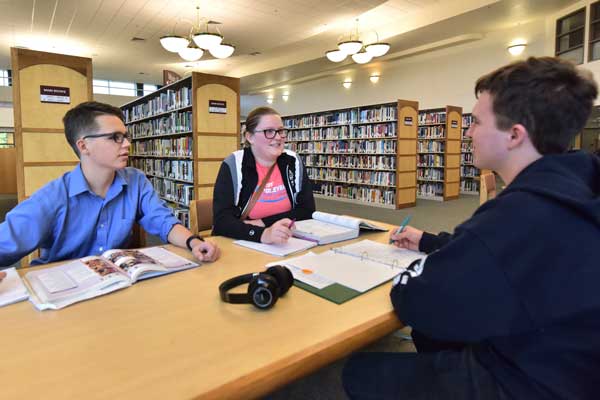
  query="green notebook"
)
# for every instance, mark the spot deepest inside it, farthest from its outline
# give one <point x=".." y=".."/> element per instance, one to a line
<point x="337" y="293"/>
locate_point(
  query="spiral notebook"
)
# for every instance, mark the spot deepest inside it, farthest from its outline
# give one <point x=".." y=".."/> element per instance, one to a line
<point x="345" y="272"/>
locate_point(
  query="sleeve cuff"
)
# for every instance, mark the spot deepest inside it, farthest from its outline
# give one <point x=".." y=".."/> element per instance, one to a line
<point x="429" y="242"/>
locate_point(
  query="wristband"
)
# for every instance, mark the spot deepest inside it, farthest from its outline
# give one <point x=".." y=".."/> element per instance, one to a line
<point x="188" y="242"/>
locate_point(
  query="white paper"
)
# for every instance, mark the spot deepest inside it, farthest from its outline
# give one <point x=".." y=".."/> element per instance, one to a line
<point x="12" y="289"/>
<point x="293" y="245"/>
<point x="56" y="281"/>
<point x="383" y="253"/>
<point x="349" y="271"/>
<point x="305" y="275"/>
<point x="167" y="258"/>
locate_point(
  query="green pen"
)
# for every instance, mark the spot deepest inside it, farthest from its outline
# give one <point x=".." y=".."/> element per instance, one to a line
<point x="402" y="226"/>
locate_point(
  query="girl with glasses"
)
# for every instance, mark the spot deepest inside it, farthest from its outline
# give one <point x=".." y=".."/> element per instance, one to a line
<point x="263" y="188"/>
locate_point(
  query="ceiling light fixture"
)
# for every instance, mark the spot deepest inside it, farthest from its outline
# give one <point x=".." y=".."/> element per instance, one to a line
<point x="198" y="41"/>
<point x="355" y="47"/>
<point x="270" y="99"/>
<point x="516" y="49"/>
<point x="374" y="78"/>
<point x="285" y="96"/>
<point x="347" y="83"/>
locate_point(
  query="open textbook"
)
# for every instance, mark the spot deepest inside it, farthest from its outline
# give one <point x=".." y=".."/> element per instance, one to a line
<point x="345" y="272"/>
<point x="60" y="286"/>
<point x="328" y="228"/>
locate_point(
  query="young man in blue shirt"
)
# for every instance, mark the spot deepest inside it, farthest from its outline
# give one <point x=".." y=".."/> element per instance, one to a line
<point x="94" y="207"/>
<point x="507" y="306"/>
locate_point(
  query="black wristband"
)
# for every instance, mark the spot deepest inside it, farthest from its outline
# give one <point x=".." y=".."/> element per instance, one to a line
<point x="189" y="241"/>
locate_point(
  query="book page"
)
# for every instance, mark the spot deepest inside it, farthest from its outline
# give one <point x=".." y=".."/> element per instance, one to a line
<point x="382" y="253"/>
<point x="167" y="258"/>
<point x="65" y="284"/>
<point x="349" y="271"/>
<point x="341" y="220"/>
<point x="304" y="275"/>
<point x="12" y="289"/>
<point x="293" y="245"/>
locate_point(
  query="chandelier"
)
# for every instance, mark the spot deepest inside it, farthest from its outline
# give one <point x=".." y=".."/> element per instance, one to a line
<point x="361" y="53"/>
<point x="192" y="47"/>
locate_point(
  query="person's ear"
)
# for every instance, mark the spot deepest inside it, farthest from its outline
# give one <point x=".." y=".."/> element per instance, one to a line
<point x="248" y="135"/>
<point x="517" y="135"/>
<point x="82" y="147"/>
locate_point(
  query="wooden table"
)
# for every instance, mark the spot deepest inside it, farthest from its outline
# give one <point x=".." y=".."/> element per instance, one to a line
<point x="172" y="337"/>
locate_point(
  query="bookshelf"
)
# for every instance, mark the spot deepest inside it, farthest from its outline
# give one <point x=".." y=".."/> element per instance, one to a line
<point x="438" y="153"/>
<point x="469" y="174"/>
<point x="180" y="135"/>
<point x="359" y="154"/>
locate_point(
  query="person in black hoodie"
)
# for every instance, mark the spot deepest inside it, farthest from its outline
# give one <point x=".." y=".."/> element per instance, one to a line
<point x="287" y="194"/>
<point x="508" y="305"/>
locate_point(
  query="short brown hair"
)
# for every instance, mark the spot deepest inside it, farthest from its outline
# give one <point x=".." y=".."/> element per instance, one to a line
<point x="548" y="96"/>
<point x="81" y="120"/>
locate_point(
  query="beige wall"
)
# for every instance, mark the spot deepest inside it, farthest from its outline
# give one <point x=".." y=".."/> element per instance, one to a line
<point x="434" y="79"/>
<point x="6" y="113"/>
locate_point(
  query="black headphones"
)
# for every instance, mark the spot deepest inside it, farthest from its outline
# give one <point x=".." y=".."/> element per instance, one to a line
<point x="264" y="288"/>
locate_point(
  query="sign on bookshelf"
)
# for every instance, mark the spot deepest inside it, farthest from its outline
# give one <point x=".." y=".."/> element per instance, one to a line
<point x="55" y="94"/>
<point x="217" y="107"/>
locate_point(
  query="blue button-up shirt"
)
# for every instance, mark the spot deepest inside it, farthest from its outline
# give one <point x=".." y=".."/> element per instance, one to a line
<point x="66" y="220"/>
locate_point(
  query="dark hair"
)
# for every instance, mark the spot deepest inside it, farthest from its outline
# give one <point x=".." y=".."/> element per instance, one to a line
<point x="81" y="120"/>
<point x="548" y="96"/>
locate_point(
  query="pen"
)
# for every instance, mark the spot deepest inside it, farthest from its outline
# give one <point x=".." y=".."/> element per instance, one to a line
<point x="292" y="223"/>
<point x="402" y="226"/>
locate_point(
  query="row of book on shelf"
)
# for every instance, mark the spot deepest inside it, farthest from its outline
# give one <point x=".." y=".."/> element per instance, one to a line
<point x="342" y="132"/>
<point x="360" y="193"/>
<point x="360" y="177"/>
<point x="172" y="147"/>
<point x="165" y="101"/>
<point x="358" y="147"/>
<point x="174" y="169"/>
<point x="173" y="123"/>
<point x="169" y="190"/>
<point x="351" y="116"/>
<point x="346" y="161"/>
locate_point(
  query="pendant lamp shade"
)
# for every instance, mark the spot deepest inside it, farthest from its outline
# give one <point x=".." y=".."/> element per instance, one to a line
<point x="222" y="50"/>
<point x="174" y="43"/>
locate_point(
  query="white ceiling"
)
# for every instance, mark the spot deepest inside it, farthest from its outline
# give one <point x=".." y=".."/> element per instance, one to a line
<point x="291" y="36"/>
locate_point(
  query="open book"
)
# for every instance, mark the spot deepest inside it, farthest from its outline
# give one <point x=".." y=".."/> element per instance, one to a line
<point x="60" y="286"/>
<point x="345" y="272"/>
<point x="326" y="228"/>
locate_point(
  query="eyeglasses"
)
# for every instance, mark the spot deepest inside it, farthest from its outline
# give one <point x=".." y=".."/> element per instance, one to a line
<point x="117" y="137"/>
<point x="270" y="133"/>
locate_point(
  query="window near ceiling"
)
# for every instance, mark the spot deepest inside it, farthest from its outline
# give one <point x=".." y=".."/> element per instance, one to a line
<point x="570" y="32"/>
<point x="149" y="88"/>
<point x="594" y="37"/>
<point x="5" y="77"/>
<point x="7" y="138"/>
<point x="103" y="86"/>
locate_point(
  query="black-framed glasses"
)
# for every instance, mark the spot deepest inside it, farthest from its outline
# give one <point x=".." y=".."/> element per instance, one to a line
<point x="270" y="133"/>
<point x="117" y="137"/>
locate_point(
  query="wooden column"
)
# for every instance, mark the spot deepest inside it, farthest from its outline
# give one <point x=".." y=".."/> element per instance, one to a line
<point x="406" y="155"/>
<point x="452" y="152"/>
<point x="216" y="134"/>
<point x="43" y="153"/>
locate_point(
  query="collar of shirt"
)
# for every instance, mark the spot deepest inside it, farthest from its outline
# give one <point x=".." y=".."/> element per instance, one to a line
<point x="78" y="184"/>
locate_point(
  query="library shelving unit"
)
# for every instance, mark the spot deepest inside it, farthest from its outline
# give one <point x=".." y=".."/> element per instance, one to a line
<point x="469" y="174"/>
<point x="438" y="148"/>
<point x="181" y="133"/>
<point x="359" y="154"/>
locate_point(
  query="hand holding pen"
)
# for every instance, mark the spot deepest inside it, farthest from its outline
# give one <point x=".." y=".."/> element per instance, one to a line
<point x="406" y="236"/>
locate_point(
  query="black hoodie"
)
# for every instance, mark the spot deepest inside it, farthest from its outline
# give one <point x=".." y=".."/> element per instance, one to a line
<point x="520" y="282"/>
